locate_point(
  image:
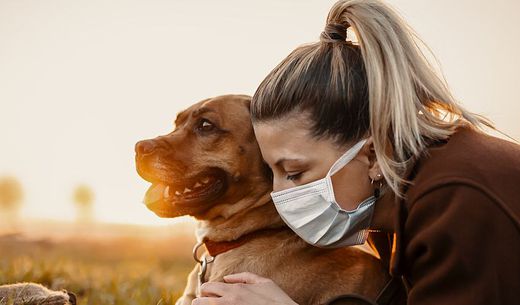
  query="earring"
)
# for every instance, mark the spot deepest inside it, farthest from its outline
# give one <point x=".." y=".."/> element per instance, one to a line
<point x="377" y="190"/>
<point x="378" y="176"/>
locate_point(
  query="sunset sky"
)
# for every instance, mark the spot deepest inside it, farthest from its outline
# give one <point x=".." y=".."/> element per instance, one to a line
<point x="82" y="81"/>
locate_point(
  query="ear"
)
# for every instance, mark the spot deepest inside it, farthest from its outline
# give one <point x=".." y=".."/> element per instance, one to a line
<point x="374" y="171"/>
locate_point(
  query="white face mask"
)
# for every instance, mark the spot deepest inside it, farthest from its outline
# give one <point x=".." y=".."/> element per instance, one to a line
<point x="312" y="212"/>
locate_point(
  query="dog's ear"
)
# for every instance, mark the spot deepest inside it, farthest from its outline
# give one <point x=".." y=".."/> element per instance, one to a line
<point x="267" y="172"/>
<point x="246" y="99"/>
<point x="247" y="102"/>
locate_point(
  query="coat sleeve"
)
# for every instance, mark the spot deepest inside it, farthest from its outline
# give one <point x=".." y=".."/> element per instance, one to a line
<point x="461" y="249"/>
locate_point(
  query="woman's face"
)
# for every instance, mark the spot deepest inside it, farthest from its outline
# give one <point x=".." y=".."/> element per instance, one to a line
<point x="296" y="158"/>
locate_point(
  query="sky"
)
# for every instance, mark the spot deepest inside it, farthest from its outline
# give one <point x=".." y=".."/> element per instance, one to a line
<point x="82" y="81"/>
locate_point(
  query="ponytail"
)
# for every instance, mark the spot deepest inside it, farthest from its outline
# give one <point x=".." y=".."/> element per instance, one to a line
<point x="409" y="104"/>
<point x="404" y="100"/>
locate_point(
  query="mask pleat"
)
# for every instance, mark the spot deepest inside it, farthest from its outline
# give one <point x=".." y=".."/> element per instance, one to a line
<point x="313" y="213"/>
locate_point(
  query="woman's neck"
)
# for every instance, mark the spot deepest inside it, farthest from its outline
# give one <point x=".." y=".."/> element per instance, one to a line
<point x="384" y="212"/>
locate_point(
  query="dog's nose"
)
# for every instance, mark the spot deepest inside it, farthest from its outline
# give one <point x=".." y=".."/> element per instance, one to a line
<point x="145" y="147"/>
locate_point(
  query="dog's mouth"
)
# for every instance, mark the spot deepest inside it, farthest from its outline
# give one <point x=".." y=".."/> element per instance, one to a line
<point x="206" y="186"/>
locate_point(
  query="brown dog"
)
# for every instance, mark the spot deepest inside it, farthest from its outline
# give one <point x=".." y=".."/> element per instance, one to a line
<point x="211" y="167"/>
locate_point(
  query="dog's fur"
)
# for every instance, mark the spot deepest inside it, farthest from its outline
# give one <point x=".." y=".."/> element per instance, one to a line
<point x="226" y="149"/>
<point x="33" y="294"/>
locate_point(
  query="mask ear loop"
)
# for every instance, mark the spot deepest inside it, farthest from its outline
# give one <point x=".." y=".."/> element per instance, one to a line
<point x="377" y="191"/>
<point x="347" y="156"/>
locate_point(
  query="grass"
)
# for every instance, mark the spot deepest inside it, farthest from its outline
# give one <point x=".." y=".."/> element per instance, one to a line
<point x="114" y="271"/>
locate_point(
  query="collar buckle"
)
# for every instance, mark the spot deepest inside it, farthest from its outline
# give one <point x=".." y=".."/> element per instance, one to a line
<point x="203" y="261"/>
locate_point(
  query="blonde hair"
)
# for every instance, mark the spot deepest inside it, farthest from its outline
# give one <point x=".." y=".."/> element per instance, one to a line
<point x="383" y="86"/>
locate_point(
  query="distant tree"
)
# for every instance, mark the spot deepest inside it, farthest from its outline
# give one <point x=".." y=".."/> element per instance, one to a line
<point x="83" y="198"/>
<point x="11" y="197"/>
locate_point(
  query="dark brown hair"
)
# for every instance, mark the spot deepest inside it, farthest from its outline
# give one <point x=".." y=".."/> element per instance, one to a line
<point x="336" y="102"/>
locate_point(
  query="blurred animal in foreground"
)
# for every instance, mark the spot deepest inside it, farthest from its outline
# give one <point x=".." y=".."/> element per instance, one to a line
<point x="34" y="294"/>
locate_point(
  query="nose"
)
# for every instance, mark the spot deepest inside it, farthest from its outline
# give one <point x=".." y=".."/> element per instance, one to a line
<point x="145" y="147"/>
<point x="278" y="185"/>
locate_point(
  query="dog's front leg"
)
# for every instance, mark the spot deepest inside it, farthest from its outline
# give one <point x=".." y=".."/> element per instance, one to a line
<point x="191" y="290"/>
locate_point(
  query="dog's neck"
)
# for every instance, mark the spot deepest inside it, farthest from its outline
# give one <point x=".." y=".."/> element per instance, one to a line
<point x="250" y="215"/>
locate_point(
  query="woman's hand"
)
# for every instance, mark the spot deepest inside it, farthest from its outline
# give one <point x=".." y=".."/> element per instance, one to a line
<point x="243" y="289"/>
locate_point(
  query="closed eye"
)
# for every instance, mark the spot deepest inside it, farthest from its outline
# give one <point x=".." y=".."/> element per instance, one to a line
<point x="294" y="177"/>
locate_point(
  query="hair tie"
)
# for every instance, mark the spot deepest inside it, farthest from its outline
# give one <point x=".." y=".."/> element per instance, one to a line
<point x="335" y="32"/>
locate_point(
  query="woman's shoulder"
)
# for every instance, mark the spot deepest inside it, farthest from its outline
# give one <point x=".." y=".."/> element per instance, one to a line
<point x="461" y="215"/>
<point x="473" y="159"/>
<point x="471" y="151"/>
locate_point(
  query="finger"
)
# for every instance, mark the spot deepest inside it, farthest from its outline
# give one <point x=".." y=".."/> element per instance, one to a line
<point x="245" y="277"/>
<point x="212" y="289"/>
<point x="207" y="301"/>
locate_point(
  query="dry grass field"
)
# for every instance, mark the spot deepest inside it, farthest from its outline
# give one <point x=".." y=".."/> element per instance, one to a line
<point x="102" y="269"/>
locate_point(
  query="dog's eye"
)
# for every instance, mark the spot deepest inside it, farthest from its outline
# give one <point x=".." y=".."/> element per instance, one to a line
<point x="205" y="125"/>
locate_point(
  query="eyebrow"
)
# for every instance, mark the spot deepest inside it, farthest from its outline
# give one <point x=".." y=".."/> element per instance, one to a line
<point x="282" y="160"/>
<point x="181" y="117"/>
<point x="202" y="110"/>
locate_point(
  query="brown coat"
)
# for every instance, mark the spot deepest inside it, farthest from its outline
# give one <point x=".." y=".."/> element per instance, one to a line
<point x="457" y="238"/>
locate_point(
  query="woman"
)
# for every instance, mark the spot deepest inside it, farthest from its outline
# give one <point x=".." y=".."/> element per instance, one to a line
<point x="366" y="137"/>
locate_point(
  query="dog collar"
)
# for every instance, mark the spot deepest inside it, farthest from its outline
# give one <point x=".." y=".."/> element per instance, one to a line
<point x="217" y="247"/>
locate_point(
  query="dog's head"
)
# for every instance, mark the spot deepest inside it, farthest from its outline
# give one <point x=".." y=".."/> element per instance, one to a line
<point x="210" y="158"/>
